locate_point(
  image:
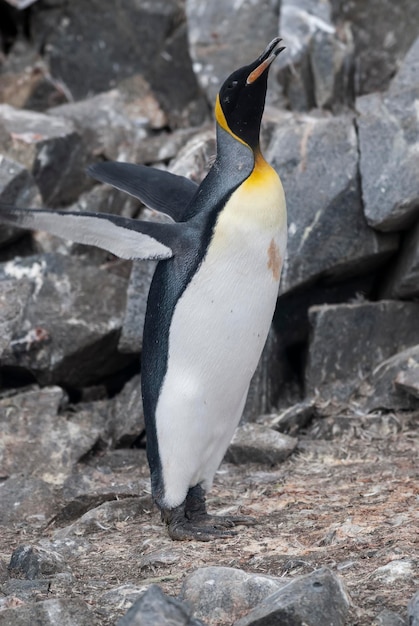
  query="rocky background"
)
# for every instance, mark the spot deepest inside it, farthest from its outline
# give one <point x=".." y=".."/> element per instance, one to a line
<point x="326" y="458"/>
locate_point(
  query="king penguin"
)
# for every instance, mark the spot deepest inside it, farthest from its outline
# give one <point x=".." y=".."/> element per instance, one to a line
<point x="212" y="297"/>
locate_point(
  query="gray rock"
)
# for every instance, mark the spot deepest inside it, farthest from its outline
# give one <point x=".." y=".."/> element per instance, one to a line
<point x="349" y="340"/>
<point x="131" y="339"/>
<point x="144" y="38"/>
<point x="66" y="612"/>
<point x="388" y="134"/>
<point x="382" y="31"/>
<point x="11" y="310"/>
<point x="408" y="380"/>
<point x="413" y="610"/>
<point x="402" y="280"/>
<point x="38" y="441"/>
<point x="26" y="500"/>
<point x="36" y="562"/>
<point x="314" y="600"/>
<point x="317" y="159"/>
<point x="163" y="147"/>
<point x="385" y="392"/>
<point x="50" y="148"/>
<point x="223" y="38"/>
<point x="268" y="380"/>
<point x="224" y="594"/>
<point x="253" y="443"/>
<point x="104" y="516"/>
<point x="395" y="571"/>
<point x="18" y="591"/>
<point x="126" y="420"/>
<point x="316" y="67"/>
<point x="17" y="186"/>
<point x="87" y="488"/>
<point x="116" y="601"/>
<point x="389" y="618"/>
<point x="194" y="159"/>
<point x="24" y="80"/>
<point x="154" y="607"/>
<point x="114" y="122"/>
<point x="294" y="418"/>
<point x="71" y="320"/>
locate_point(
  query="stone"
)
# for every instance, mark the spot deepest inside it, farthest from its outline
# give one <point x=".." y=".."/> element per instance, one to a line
<point x="387" y="389"/>
<point x="131" y="338"/>
<point x="88" y="487"/>
<point x="402" y="279"/>
<point x="126" y="421"/>
<point x="413" y="610"/>
<point x="194" y="160"/>
<point x="313" y="600"/>
<point x="388" y="128"/>
<point x="34" y="562"/>
<point x="23" y="591"/>
<point x="17" y="186"/>
<point x="253" y="443"/>
<point x="382" y="31"/>
<point x="317" y="158"/>
<point x="349" y="340"/>
<point x="50" y="148"/>
<point x="163" y="147"/>
<point x="224" y="594"/>
<point x="104" y="515"/>
<point x="221" y="38"/>
<point x="292" y="419"/>
<point x="408" y="380"/>
<point x="39" y="441"/>
<point x="389" y="618"/>
<point x="154" y="607"/>
<point x="114" y="122"/>
<point x="25" y="81"/>
<point x="26" y="500"/>
<point x="66" y="612"/>
<point x="71" y="320"/>
<point x="315" y="70"/>
<point x="267" y="381"/>
<point x="11" y="311"/>
<point x="395" y="571"/>
<point x="118" y="600"/>
<point x="146" y="38"/>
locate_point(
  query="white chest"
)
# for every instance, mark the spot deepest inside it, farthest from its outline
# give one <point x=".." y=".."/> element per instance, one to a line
<point x="218" y="331"/>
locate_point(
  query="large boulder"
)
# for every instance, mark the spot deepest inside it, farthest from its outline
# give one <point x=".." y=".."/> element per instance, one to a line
<point x="317" y="158"/>
<point x="65" y="326"/>
<point x="349" y="340"/>
<point x="388" y="127"/>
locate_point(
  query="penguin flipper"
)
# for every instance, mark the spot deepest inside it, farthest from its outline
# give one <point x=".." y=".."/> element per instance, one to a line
<point x="126" y="238"/>
<point x="158" y="189"/>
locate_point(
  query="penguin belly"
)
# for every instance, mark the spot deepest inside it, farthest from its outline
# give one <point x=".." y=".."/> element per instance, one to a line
<point x="218" y="330"/>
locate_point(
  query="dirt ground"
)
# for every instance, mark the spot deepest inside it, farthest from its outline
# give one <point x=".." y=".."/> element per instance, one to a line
<point x="348" y="499"/>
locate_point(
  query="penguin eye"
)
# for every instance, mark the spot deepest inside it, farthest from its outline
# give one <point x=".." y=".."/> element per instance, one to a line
<point x="233" y="84"/>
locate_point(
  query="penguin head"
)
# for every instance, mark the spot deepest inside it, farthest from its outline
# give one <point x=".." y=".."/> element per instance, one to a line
<point x="241" y="99"/>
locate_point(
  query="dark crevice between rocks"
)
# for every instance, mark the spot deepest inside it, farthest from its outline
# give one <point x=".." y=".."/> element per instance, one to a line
<point x="12" y="24"/>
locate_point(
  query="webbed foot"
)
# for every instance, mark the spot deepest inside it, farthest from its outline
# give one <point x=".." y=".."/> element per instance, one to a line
<point x="190" y="520"/>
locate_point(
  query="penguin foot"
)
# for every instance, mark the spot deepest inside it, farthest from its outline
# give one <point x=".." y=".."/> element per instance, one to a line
<point x="180" y="528"/>
<point x="196" y="512"/>
<point x="190" y="521"/>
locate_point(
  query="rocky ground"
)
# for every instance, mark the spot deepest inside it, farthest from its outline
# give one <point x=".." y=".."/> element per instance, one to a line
<point x="326" y="457"/>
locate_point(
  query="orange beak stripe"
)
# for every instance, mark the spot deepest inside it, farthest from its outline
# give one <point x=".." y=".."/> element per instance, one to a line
<point x="259" y="70"/>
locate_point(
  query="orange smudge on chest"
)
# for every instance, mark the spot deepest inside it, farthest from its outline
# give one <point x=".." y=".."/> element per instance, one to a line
<point x="274" y="260"/>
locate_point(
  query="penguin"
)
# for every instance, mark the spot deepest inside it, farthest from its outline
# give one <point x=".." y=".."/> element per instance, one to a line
<point x="211" y="300"/>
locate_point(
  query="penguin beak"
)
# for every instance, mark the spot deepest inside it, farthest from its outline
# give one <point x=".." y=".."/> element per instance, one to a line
<point x="265" y="60"/>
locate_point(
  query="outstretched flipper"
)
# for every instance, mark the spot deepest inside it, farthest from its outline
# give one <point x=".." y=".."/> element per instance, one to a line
<point x="124" y="237"/>
<point x="159" y="190"/>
